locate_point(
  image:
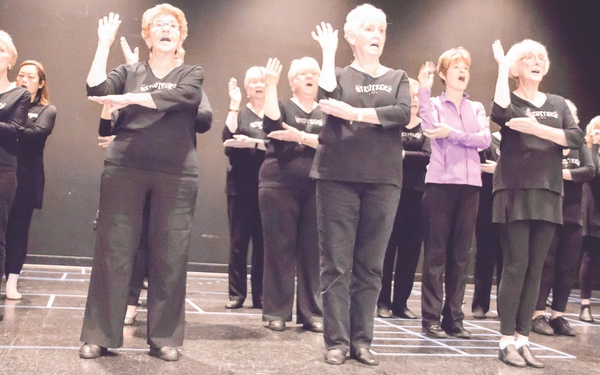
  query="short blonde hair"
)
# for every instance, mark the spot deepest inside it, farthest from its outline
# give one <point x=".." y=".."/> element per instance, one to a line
<point x="518" y="50"/>
<point x="258" y="70"/>
<point x="593" y="125"/>
<point x="166" y="9"/>
<point x="450" y="56"/>
<point x="413" y="83"/>
<point x="300" y="64"/>
<point x="357" y="16"/>
<point x="573" y="109"/>
<point x="6" y="40"/>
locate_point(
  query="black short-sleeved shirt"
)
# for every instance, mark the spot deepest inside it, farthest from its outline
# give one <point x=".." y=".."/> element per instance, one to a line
<point x="416" y="158"/>
<point x="287" y="164"/>
<point x="161" y="139"/>
<point x="244" y="163"/>
<point x="354" y="151"/>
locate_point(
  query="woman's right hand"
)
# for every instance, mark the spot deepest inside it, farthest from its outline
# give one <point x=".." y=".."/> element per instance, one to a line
<point x="104" y="142"/>
<point x="107" y="29"/>
<point x="235" y="95"/>
<point x="272" y="72"/>
<point x="426" y="75"/>
<point x="500" y="57"/>
<point x="326" y="36"/>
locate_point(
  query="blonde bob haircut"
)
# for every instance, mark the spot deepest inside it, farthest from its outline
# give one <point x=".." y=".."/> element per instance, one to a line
<point x="165" y="9"/>
<point x="593" y="125"/>
<point x="255" y="71"/>
<point x="449" y="57"/>
<point x="7" y="42"/>
<point x="518" y="50"/>
<point x="42" y="96"/>
<point x="357" y="16"/>
<point x="413" y="84"/>
<point x="304" y="63"/>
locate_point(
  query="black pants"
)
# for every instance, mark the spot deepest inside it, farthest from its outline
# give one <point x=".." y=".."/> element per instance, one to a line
<point x="590" y="265"/>
<point x="291" y="255"/>
<point x="488" y="254"/>
<point x="8" y="189"/>
<point x="355" y="222"/>
<point x="525" y="244"/>
<point x="140" y="264"/>
<point x="560" y="267"/>
<point x="17" y="238"/>
<point x="245" y="224"/>
<point x="449" y="214"/>
<point x="123" y="194"/>
<point x="402" y="253"/>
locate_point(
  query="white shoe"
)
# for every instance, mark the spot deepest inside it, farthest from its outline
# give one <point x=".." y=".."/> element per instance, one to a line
<point x="11" y="287"/>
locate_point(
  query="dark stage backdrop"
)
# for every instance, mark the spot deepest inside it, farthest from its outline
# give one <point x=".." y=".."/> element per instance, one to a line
<point x="228" y="36"/>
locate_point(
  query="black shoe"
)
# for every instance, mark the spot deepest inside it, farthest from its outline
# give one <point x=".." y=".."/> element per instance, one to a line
<point x="529" y="358"/>
<point x="335" y="357"/>
<point x="561" y="326"/>
<point x="435" y="332"/>
<point x="406" y="314"/>
<point x="364" y="355"/>
<point x="511" y="356"/>
<point x="276" y="325"/>
<point x="257" y="305"/>
<point x="314" y="327"/>
<point x="384" y="312"/>
<point x="458" y="332"/>
<point x="540" y="325"/>
<point x="585" y="315"/>
<point x="234" y="304"/>
<point x="1" y="316"/>
<point x="91" y="351"/>
<point x="478" y="313"/>
<point x="166" y="353"/>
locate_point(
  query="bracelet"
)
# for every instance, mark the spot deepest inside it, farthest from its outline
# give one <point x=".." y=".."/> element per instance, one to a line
<point x="302" y="137"/>
<point x="234" y="110"/>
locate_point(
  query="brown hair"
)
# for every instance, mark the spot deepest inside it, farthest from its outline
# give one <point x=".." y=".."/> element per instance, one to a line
<point x="451" y="56"/>
<point x="43" y="95"/>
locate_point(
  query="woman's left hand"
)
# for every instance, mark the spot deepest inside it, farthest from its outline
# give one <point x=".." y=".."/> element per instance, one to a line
<point x="527" y="125"/>
<point x="337" y="108"/>
<point x="115" y="102"/>
<point x="441" y="131"/>
<point x="240" y="141"/>
<point x="289" y="134"/>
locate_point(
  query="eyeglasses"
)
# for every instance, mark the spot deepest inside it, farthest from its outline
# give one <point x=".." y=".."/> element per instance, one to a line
<point x="531" y="58"/>
<point x="162" y="24"/>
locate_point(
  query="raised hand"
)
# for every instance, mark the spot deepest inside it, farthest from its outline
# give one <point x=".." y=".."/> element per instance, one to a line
<point x="235" y="95"/>
<point x="131" y="57"/>
<point x="326" y="36"/>
<point x="499" y="56"/>
<point x="107" y="29"/>
<point x="272" y="72"/>
<point x="426" y="75"/>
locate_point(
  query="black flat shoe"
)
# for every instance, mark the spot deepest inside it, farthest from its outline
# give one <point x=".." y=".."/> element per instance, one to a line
<point x="561" y="327"/>
<point x="541" y="326"/>
<point x="276" y="325"/>
<point x="435" y="332"/>
<point x="364" y="355"/>
<point x="459" y="332"/>
<point x="91" y="351"/>
<point x="406" y="314"/>
<point x="511" y="356"/>
<point x="335" y="357"/>
<point x="314" y="327"/>
<point x="529" y="358"/>
<point x="585" y="314"/>
<point x="384" y="312"/>
<point x="166" y="353"/>
<point x="234" y="304"/>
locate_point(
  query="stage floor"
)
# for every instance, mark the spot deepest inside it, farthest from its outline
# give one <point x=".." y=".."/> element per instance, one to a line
<point x="40" y="335"/>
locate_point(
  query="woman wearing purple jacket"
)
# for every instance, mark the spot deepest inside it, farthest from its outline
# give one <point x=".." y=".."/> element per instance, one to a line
<point x="457" y="127"/>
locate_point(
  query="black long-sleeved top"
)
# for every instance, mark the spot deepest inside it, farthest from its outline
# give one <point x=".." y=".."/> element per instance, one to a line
<point x="14" y="106"/>
<point x="416" y="158"/>
<point x="579" y="163"/>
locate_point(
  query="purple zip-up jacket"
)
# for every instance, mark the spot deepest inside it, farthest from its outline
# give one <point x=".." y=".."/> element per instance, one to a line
<point x="455" y="160"/>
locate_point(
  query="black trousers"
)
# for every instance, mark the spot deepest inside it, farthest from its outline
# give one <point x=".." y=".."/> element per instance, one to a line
<point x="8" y="189"/>
<point x="140" y="264"/>
<point x="123" y="194"/>
<point x="590" y="265"/>
<point x="245" y="224"/>
<point x="291" y="255"/>
<point x="488" y="255"/>
<point x="355" y="222"/>
<point x="449" y="214"/>
<point x="525" y="244"/>
<point x="560" y="267"/>
<point x="17" y="238"/>
<point x="402" y="253"/>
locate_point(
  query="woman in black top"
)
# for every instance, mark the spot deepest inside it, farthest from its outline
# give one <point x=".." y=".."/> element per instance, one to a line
<point x="358" y="167"/>
<point x="30" y="170"/>
<point x="560" y="266"/>
<point x="404" y="246"/>
<point x="153" y="157"/>
<point x="287" y="198"/>
<point x="14" y="105"/>
<point x="244" y="143"/>
<point x="528" y="187"/>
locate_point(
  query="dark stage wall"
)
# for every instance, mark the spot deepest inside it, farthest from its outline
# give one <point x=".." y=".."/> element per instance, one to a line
<point x="228" y="36"/>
